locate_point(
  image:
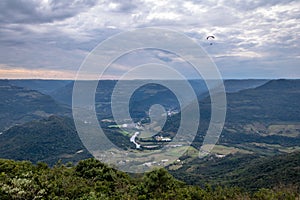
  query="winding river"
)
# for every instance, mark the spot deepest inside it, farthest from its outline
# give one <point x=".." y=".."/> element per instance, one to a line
<point x="132" y="139"/>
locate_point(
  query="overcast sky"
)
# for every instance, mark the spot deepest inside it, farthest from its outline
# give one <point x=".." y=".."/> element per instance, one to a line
<point x="51" y="38"/>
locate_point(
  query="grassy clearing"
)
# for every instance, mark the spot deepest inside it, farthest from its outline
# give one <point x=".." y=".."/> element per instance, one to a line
<point x="225" y="150"/>
<point x="288" y="130"/>
<point x="274" y="147"/>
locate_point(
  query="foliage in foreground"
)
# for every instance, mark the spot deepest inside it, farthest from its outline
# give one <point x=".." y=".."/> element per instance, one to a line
<point x="91" y="179"/>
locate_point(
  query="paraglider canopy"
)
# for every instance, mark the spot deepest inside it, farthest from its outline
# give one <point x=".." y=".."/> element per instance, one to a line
<point x="210" y="37"/>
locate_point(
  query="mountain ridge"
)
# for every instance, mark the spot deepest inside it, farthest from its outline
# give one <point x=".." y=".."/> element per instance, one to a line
<point x="19" y="105"/>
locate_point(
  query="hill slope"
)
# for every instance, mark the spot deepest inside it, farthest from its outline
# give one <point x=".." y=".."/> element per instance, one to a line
<point x="247" y="171"/>
<point x="43" y="86"/>
<point x="45" y="140"/>
<point x="19" y="105"/>
<point x="277" y="100"/>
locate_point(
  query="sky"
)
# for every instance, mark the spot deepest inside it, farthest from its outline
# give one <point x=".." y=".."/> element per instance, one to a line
<point x="49" y="39"/>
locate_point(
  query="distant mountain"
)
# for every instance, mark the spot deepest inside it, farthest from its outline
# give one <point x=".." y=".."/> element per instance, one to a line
<point x="236" y="85"/>
<point x="43" y="86"/>
<point x="61" y="90"/>
<point x="19" y="105"/>
<point x="276" y="100"/>
<point x="47" y="140"/>
<point x="103" y="93"/>
<point x="64" y="93"/>
<point x="142" y="98"/>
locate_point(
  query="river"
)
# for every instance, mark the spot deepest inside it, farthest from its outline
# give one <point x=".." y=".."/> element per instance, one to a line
<point x="132" y="139"/>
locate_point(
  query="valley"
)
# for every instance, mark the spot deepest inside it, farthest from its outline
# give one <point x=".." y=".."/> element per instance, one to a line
<point x="262" y="124"/>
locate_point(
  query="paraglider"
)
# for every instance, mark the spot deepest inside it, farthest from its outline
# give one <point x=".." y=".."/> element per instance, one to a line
<point x="210" y="37"/>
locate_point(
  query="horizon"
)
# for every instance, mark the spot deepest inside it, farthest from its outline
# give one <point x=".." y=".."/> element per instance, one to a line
<point x="51" y="40"/>
<point x="235" y="79"/>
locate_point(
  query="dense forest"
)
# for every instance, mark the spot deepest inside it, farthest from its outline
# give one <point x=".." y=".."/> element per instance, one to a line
<point x="90" y="179"/>
<point x="250" y="172"/>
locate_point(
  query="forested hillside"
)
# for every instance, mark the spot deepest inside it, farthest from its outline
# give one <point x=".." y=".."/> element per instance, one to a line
<point x="244" y="170"/>
<point x="46" y="140"/>
<point x="20" y="105"/>
<point x="91" y="179"/>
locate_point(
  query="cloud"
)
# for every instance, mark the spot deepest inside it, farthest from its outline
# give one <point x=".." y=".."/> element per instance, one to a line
<point x="34" y="11"/>
<point x="246" y="5"/>
<point x="120" y="6"/>
<point x="54" y="35"/>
